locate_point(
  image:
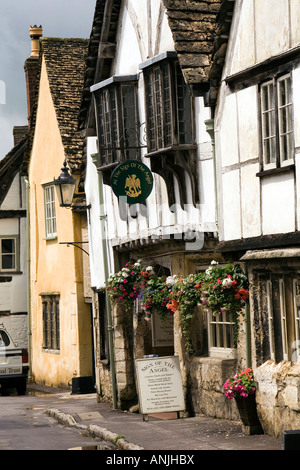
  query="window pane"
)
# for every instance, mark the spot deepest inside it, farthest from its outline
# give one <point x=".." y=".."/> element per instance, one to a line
<point x="8" y="253"/>
<point x="167" y="105"/>
<point x="150" y="111"/>
<point x="45" y="325"/>
<point x="130" y="130"/>
<point x="184" y="109"/>
<point x="158" y="107"/>
<point x="268" y="123"/>
<point x="8" y="262"/>
<point x="57" y="324"/>
<point x="8" y="245"/>
<point x="285" y="118"/>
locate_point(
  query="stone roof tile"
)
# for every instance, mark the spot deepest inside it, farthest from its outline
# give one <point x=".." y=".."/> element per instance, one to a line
<point x="65" y="64"/>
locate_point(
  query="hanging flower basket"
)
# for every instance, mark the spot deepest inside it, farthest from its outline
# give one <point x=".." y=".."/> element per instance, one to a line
<point x="248" y="412"/>
<point x="225" y="288"/>
<point x="220" y="288"/>
<point x="156" y="294"/>
<point x="125" y="286"/>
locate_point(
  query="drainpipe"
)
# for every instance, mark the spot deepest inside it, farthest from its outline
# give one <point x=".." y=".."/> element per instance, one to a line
<point x="110" y="327"/>
<point x="28" y="275"/>
<point x="210" y="129"/>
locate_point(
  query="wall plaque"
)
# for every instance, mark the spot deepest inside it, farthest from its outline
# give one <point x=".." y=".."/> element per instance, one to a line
<point x="159" y="385"/>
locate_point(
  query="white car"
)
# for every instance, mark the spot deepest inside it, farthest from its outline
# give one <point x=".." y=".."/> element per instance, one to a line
<point x="14" y="364"/>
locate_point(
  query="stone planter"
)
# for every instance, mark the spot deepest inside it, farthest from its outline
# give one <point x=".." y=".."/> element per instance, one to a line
<point x="248" y="414"/>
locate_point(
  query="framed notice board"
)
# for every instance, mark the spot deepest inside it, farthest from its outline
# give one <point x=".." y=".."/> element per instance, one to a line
<point x="159" y="385"/>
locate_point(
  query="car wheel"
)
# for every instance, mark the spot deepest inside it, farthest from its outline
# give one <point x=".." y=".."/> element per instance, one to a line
<point x="21" y="388"/>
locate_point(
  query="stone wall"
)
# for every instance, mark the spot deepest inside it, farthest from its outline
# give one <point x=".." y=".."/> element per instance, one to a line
<point x="206" y="378"/>
<point x="278" y="396"/>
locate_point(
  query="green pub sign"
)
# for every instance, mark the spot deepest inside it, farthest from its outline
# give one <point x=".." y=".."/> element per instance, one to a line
<point x="132" y="179"/>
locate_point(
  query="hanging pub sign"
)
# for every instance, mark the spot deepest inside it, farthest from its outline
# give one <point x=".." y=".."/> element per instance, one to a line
<point x="132" y="179"/>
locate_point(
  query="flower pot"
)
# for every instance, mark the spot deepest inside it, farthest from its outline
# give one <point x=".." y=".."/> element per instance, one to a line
<point x="248" y="414"/>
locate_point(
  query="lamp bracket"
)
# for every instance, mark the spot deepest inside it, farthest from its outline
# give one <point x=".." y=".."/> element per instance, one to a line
<point x="76" y="244"/>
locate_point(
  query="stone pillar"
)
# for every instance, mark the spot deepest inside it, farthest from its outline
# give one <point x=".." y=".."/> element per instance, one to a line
<point x="181" y="265"/>
<point x="124" y="362"/>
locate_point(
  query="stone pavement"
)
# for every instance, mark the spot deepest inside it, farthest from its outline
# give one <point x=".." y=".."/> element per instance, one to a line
<point x="128" y="431"/>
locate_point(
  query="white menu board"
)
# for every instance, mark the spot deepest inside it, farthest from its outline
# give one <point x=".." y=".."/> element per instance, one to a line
<point x="159" y="385"/>
<point x="162" y="330"/>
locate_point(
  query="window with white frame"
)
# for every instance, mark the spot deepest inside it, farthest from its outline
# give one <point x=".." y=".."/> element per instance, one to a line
<point x="221" y="334"/>
<point x="8" y="254"/>
<point x="283" y="302"/>
<point x="50" y="215"/>
<point x="277" y="122"/>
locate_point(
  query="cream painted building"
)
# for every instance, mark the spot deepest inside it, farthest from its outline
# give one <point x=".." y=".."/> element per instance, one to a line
<point x="60" y="315"/>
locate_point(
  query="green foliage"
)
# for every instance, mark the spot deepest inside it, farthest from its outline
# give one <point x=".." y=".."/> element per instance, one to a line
<point x="219" y="288"/>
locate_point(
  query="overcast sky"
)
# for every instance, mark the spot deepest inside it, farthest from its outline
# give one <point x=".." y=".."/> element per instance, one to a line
<point x="59" y="18"/>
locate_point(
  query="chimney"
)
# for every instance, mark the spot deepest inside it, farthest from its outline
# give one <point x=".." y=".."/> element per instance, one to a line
<point x="31" y="66"/>
<point x="18" y="133"/>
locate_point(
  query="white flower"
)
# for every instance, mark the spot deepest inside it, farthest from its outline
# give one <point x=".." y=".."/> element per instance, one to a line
<point x="170" y="280"/>
<point x="125" y="274"/>
<point x="226" y="283"/>
<point x="208" y="270"/>
<point x="125" y="270"/>
<point x="149" y="269"/>
<point x="137" y="264"/>
<point x="214" y="262"/>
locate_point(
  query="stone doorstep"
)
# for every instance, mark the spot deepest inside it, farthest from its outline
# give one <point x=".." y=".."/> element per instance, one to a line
<point x="171" y="415"/>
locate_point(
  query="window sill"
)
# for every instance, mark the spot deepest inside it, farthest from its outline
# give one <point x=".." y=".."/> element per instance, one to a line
<point x="276" y="171"/>
<point x="172" y="148"/>
<point x="110" y="166"/>
<point x="51" y="351"/>
<point x="50" y="238"/>
<point x="223" y="353"/>
<point x="10" y="273"/>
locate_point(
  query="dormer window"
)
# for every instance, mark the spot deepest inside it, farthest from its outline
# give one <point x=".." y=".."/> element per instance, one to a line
<point x="169" y="110"/>
<point x="117" y="120"/>
<point x="170" y="125"/>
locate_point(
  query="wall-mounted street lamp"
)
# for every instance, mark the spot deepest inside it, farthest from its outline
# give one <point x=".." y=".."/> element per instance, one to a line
<point x="65" y="188"/>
